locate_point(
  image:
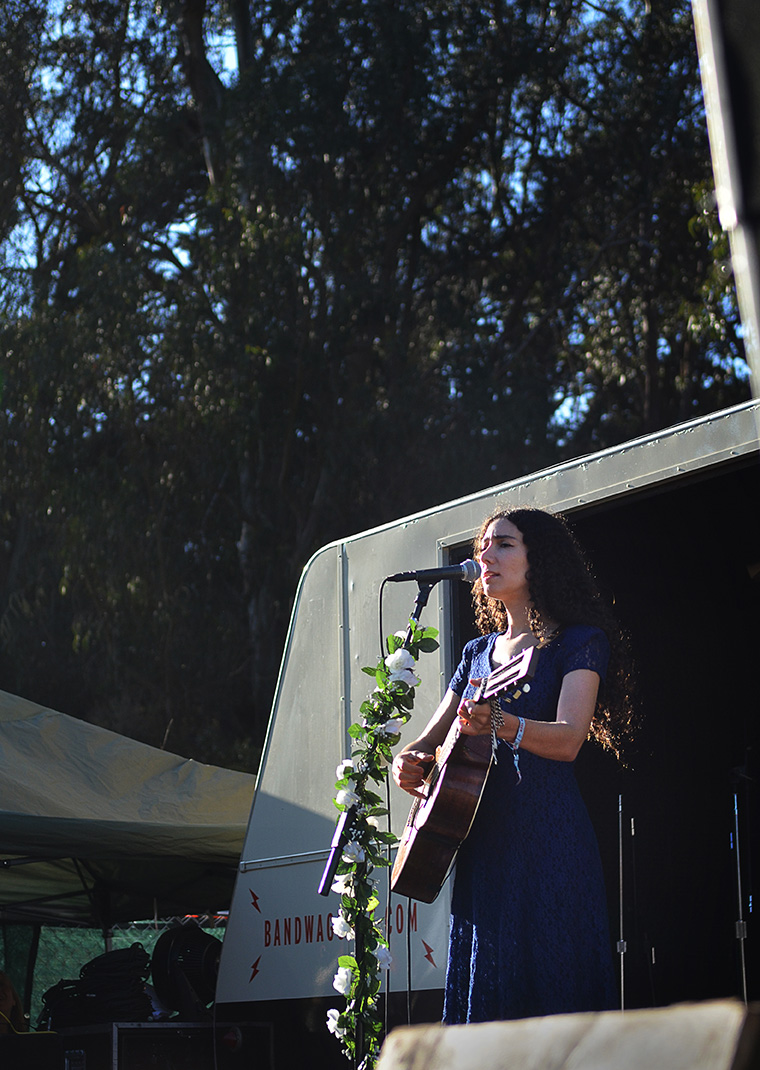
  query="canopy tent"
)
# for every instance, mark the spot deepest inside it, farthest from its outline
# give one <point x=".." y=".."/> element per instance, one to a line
<point x="96" y="828"/>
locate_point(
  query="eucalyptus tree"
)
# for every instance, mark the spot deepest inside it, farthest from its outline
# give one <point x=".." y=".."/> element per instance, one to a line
<point x="278" y="272"/>
<point x="647" y="325"/>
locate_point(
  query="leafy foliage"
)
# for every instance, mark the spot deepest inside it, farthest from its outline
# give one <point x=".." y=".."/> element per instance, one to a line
<point x="359" y="1025"/>
<point x="255" y="258"/>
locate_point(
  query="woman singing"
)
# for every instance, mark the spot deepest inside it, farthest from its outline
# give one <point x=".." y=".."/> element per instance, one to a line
<point x="529" y="926"/>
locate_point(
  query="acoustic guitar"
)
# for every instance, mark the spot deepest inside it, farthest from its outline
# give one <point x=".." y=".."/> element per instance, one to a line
<point x="438" y="822"/>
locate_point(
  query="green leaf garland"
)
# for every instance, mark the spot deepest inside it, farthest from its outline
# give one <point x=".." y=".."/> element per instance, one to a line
<point x="383" y="714"/>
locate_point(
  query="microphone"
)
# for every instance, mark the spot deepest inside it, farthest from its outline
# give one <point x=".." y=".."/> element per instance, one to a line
<point x="468" y="570"/>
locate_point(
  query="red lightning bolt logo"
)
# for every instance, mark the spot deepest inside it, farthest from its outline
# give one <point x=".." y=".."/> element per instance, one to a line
<point x="254" y="969"/>
<point x="429" y="953"/>
<point x="254" y="900"/>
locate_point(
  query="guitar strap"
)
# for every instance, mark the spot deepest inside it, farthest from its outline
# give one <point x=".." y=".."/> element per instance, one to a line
<point x="497" y="721"/>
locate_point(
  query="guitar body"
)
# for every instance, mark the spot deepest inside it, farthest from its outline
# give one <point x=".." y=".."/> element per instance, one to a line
<point x="438" y="823"/>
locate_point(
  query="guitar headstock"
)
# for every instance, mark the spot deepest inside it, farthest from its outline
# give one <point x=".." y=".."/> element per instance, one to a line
<point x="519" y="669"/>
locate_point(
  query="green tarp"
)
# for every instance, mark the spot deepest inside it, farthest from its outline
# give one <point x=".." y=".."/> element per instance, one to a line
<point x="96" y="828"/>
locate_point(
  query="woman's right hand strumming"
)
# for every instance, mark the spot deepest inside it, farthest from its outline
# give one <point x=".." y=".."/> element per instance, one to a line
<point x="412" y="765"/>
<point x="410" y="768"/>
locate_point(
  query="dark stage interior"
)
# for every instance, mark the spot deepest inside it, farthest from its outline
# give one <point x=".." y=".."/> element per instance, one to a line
<point x="681" y="563"/>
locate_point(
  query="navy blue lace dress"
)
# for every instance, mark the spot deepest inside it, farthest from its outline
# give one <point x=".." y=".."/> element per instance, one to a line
<point x="529" y="924"/>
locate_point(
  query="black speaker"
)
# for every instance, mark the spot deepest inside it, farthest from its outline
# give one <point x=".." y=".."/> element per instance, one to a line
<point x="31" y="1051"/>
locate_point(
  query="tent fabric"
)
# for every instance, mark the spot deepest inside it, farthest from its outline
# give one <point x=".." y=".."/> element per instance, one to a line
<point x="97" y="828"/>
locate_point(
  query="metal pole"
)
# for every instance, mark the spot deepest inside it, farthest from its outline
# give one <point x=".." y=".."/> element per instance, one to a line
<point x="741" y="925"/>
<point x="621" y="944"/>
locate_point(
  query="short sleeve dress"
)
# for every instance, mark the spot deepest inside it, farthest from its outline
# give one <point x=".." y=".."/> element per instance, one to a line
<point x="529" y="925"/>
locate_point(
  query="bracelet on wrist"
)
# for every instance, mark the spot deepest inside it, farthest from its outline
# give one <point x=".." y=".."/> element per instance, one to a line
<point x="497" y="722"/>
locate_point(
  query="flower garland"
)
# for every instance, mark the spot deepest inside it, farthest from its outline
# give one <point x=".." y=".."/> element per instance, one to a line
<point x="359" y="1026"/>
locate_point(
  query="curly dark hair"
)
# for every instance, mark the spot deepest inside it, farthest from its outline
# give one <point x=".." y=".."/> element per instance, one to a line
<point x="563" y="591"/>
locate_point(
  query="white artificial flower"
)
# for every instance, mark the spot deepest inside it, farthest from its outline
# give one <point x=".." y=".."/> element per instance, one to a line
<point x="404" y="676"/>
<point x="342" y="928"/>
<point x="391" y="727"/>
<point x="345" y="768"/>
<point x="333" y="1023"/>
<point x="399" y="660"/>
<point x="343" y="980"/>
<point x="343" y="884"/>
<point x="346" y="797"/>
<point x="373" y="822"/>
<point x="384" y="957"/>
<point x="353" y="852"/>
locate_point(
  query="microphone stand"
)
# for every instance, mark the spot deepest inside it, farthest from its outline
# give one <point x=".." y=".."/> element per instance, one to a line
<point x="346" y="819"/>
<point x="423" y="594"/>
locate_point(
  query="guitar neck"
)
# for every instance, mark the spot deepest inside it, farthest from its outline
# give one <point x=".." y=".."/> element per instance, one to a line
<point x="443" y="753"/>
<point x="517" y="670"/>
<point x="520" y="668"/>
